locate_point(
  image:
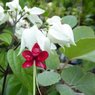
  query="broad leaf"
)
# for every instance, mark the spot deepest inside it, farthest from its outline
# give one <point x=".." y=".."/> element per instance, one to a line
<point x="83" y="82"/>
<point x="82" y="47"/>
<point x="48" y="78"/>
<point x="71" y="75"/>
<point x="14" y="87"/>
<point x="71" y="20"/>
<point x="82" y="32"/>
<point x="24" y="75"/>
<point x="87" y="84"/>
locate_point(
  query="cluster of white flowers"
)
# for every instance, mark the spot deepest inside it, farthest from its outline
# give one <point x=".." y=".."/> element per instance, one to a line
<point x="56" y="32"/>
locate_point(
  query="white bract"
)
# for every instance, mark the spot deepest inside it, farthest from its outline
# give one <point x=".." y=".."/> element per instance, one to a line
<point x="61" y="34"/>
<point x="34" y="35"/>
<point x="32" y="14"/>
<point x="14" y="5"/>
<point x="3" y="16"/>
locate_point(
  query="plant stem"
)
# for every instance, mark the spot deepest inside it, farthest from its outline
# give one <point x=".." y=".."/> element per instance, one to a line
<point x="38" y="87"/>
<point x="34" y="79"/>
<point x="4" y="81"/>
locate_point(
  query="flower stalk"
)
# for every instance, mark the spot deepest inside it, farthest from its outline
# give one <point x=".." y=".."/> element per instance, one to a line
<point x="34" y="79"/>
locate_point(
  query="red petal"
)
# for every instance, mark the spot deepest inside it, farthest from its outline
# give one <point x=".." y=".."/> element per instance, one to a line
<point x="36" y="50"/>
<point x="27" y="64"/>
<point x="43" y="56"/>
<point x="27" y="55"/>
<point x="40" y="64"/>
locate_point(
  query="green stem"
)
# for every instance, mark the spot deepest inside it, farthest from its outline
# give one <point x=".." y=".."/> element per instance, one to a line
<point x="38" y="87"/>
<point x="34" y="79"/>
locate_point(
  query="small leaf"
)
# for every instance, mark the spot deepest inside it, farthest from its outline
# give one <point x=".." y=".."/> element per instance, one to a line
<point x="64" y="90"/>
<point x="53" y="61"/>
<point x="48" y="78"/>
<point x="71" y="20"/>
<point x="82" y="32"/>
<point x="6" y="37"/>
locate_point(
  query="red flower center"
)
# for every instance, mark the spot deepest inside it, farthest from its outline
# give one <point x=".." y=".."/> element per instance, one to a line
<point x="35" y="56"/>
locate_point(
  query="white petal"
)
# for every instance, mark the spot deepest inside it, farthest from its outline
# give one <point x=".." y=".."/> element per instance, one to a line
<point x="34" y="35"/>
<point x="28" y="38"/>
<point x="36" y="11"/>
<point x="69" y="32"/>
<point x="43" y="41"/>
<point x="55" y="35"/>
<point x="61" y="34"/>
<point x="34" y="19"/>
<point x="54" y="20"/>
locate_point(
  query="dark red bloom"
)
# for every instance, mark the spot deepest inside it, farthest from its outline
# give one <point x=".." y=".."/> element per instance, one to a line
<point x="35" y="56"/>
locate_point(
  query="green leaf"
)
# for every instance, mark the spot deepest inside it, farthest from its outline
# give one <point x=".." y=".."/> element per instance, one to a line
<point x="64" y="90"/>
<point x="71" y="75"/>
<point x="78" y="80"/>
<point x="48" y="78"/>
<point x="71" y="20"/>
<point x="53" y="61"/>
<point x="6" y="37"/>
<point x="24" y="75"/>
<point x="82" y="47"/>
<point x="82" y="32"/>
<point x="87" y="84"/>
<point x="89" y="56"/>
<point x="3" y="59"/>
<point x="14" y="86"/>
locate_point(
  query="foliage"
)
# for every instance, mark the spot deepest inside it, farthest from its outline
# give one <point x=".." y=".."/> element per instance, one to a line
<point x="59" y="78"/>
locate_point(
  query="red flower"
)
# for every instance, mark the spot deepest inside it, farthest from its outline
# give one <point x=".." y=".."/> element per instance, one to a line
<point x="34" y="56"/>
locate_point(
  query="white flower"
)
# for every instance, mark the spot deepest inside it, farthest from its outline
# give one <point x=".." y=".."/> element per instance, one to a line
<point x="33" y="14"/>
<point x="3" y="16"/>
<point x="61" y="34"/>
<point x="34" y="35"/>
<point x="14" y="5"/>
